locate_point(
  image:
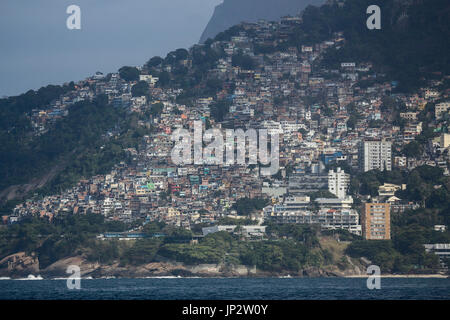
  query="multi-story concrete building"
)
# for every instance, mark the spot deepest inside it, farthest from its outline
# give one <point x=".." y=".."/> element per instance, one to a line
<point x="302" y="184"/>
<point x="375" y="154"/>
<point x="441" y="108"/>
<point x="214" y="229"/>
<point x="246" y="231"/>
<point x="400" y="162"/>
<point x="331" y="219"/>
<point x="333" y="203"/>
<point x="338" y="182"/>
<point x="389" y="189"/>
<point x="444" y="140"/>
<point x="412" y="116"/>
<point x="376" y="221"/>
<point x="442" y="250"/>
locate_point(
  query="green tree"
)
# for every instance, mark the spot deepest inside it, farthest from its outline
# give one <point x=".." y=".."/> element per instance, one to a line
<point x="140" y="89"/>
<point x="413" y="149"/>
<point x="154" y="62"/>
<point x="129" y="73"/>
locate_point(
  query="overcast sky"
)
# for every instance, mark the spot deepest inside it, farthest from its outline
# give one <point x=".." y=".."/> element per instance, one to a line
<point x="37" y="49"/>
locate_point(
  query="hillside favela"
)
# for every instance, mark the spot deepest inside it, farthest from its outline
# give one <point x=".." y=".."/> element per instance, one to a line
<point x="88" y="177"/>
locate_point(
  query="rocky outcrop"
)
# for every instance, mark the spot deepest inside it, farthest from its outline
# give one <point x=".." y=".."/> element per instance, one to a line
<point x="232" y="12"/>
<point x="351" y="268"/>
<point x="19" y="265"/>
<point x="154" y="269"/>
<point x="59" y="268"/>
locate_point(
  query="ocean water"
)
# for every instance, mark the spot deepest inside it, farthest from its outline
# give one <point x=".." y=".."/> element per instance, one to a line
<point x="227" y="288"/>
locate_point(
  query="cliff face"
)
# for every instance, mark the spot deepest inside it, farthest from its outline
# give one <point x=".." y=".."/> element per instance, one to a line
<point x="232" y="12"/>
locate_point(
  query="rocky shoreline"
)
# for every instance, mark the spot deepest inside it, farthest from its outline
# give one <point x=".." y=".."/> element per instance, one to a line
<point x="20" y="265"/>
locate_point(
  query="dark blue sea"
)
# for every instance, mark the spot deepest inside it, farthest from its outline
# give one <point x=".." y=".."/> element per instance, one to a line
<point x="227" y="288"/>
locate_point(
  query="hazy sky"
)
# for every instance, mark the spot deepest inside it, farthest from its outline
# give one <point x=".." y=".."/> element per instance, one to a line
<point x="37" y="49"/>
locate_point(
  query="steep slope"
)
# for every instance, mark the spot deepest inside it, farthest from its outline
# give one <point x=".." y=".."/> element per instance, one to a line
<point x="232" y="12"/>
<point x="411" y="45"/>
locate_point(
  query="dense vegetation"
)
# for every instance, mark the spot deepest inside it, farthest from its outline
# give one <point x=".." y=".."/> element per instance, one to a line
<point x="289" y="247"/>
<point x="129" y="73"/>
<point x="246" y="206"/>
<point x="411" y="229"/>
<point x="90" y="140"/>
<point x="411" y="43"/>
<point x="15" y="133"/>
<point x="51" y="241"/>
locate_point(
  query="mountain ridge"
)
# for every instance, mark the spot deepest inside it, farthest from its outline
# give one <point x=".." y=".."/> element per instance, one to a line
<point x="232" y="12"/>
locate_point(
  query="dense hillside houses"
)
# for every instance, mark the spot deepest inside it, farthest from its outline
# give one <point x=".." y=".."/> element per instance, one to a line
<point x="334" y="124"/>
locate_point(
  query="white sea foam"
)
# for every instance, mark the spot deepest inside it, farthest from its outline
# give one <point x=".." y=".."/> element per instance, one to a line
<point x="32" y="277"/>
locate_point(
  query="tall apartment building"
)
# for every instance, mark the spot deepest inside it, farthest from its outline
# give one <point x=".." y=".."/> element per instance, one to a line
<point x="445" y="140"/>
<point x="376" y="221"/>
<point x="375" y="154"/>
<point x="441" y="108"/>
<point x="338" y="182"/>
